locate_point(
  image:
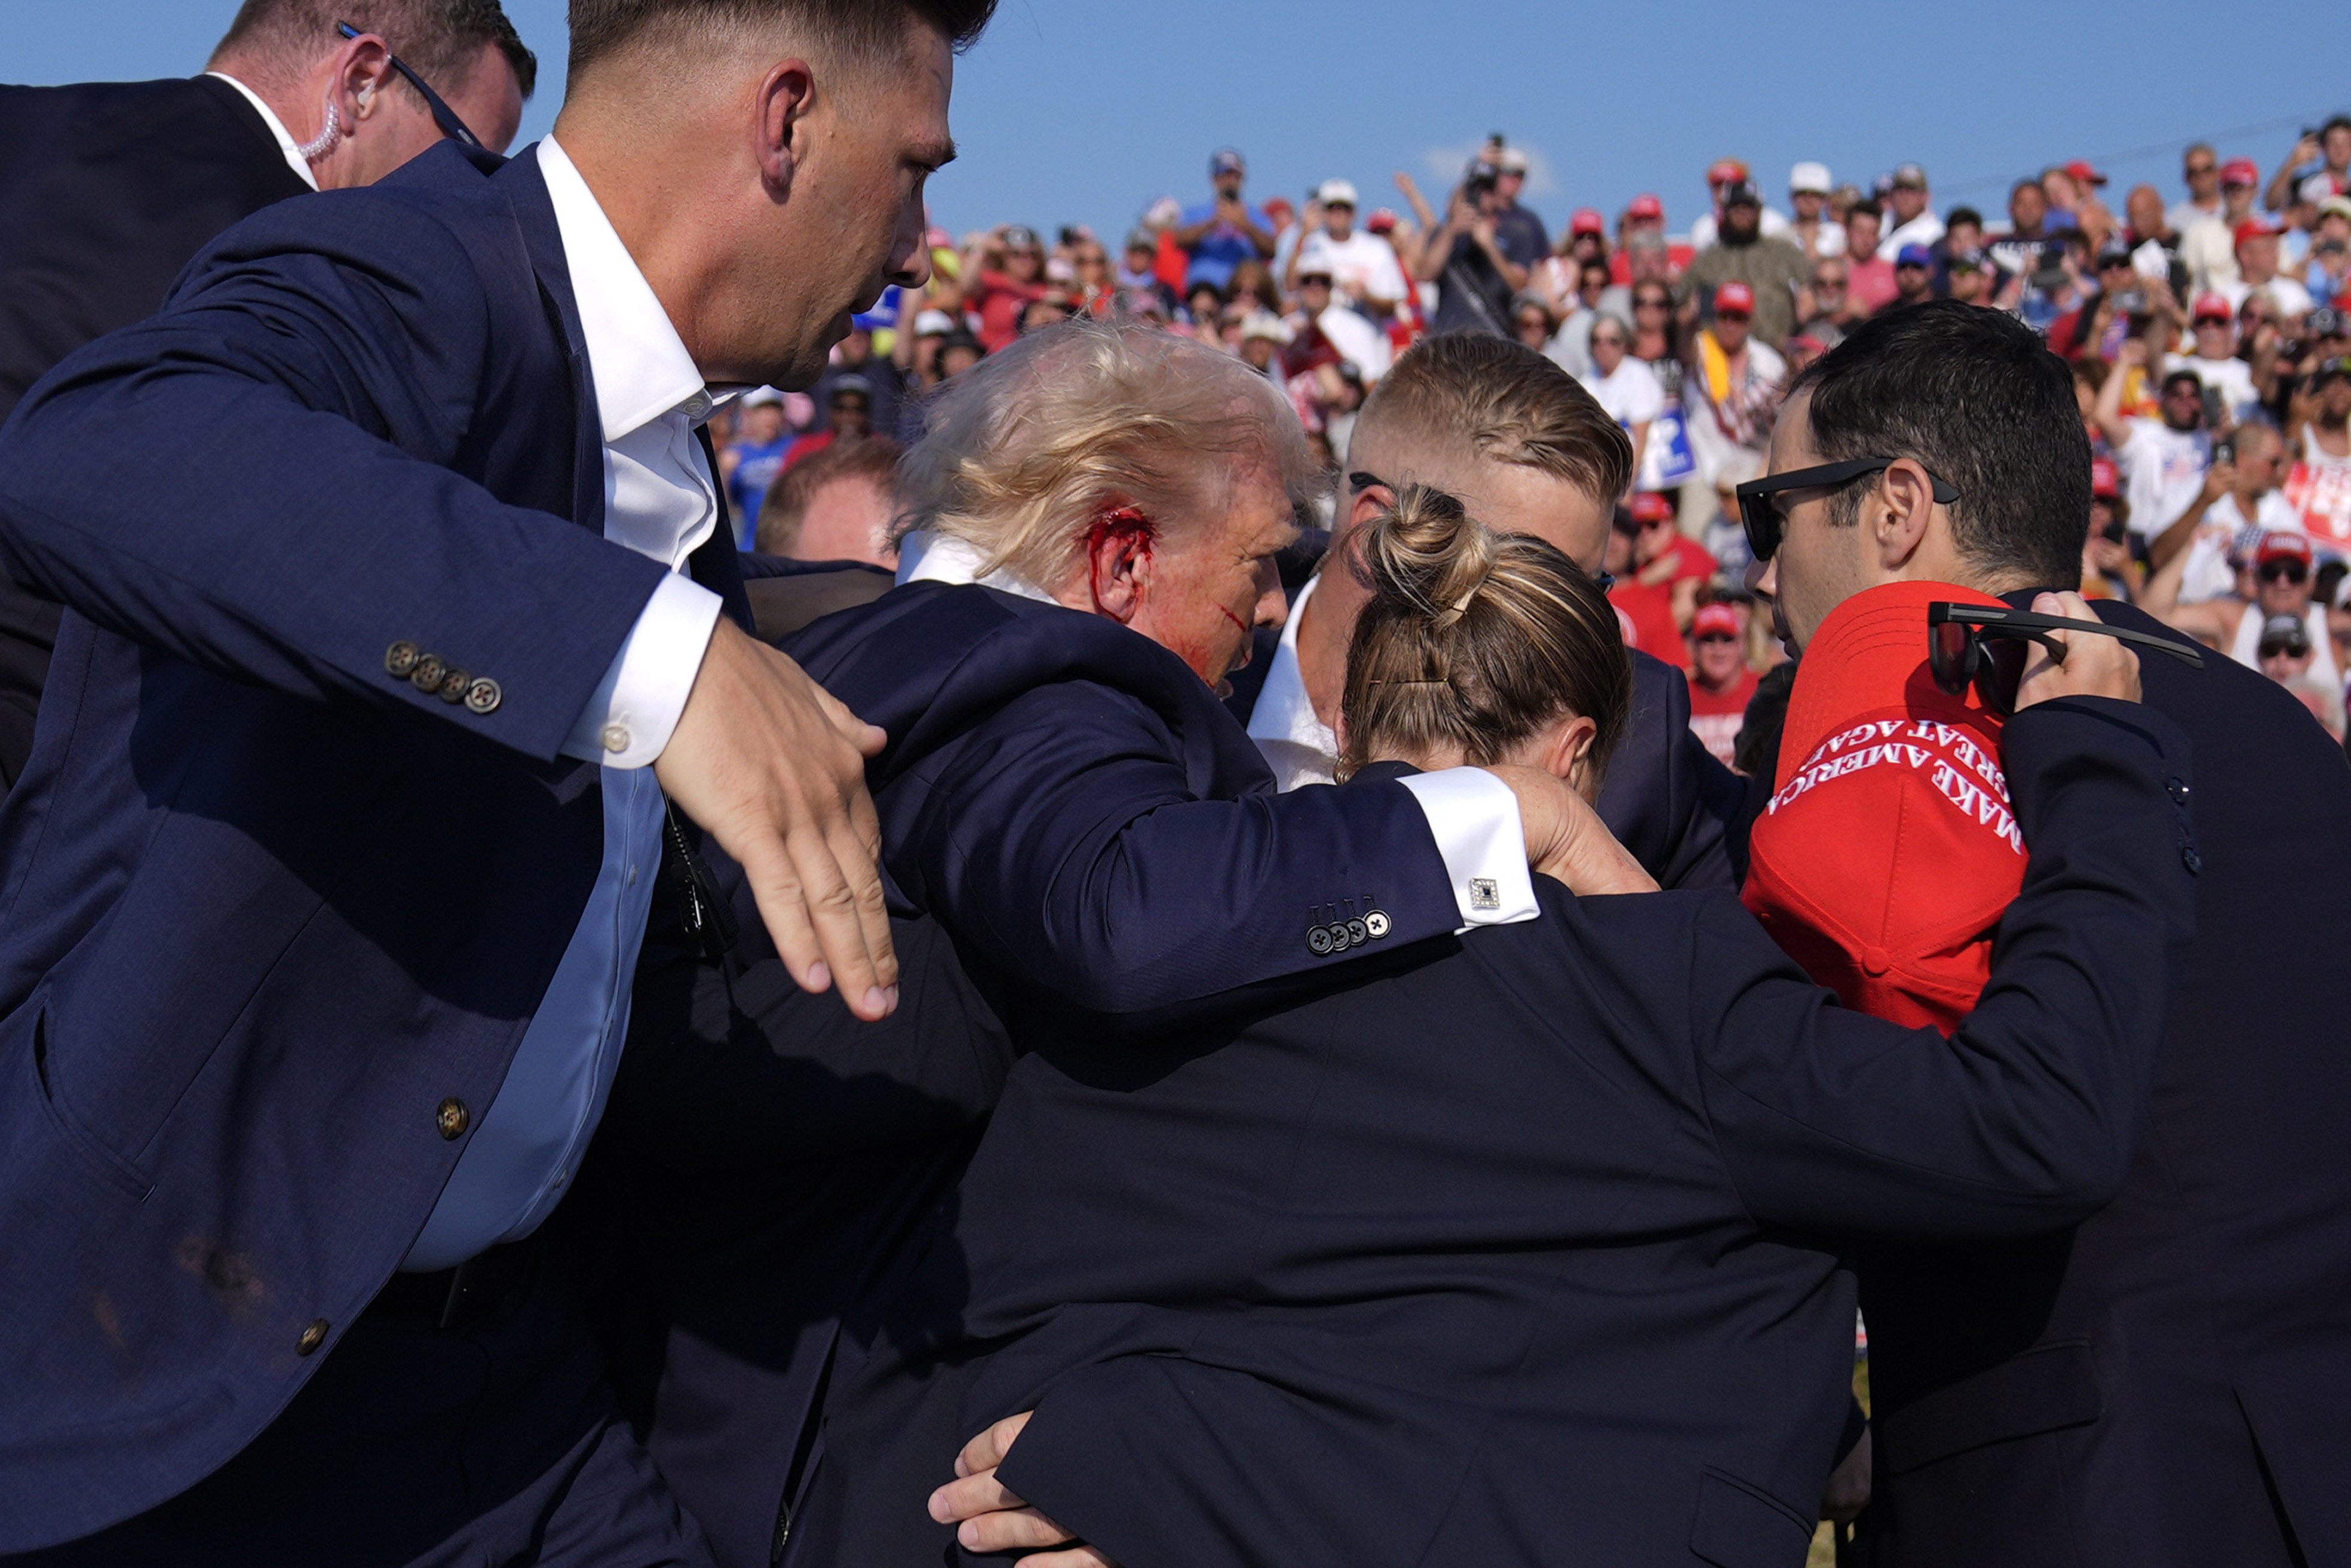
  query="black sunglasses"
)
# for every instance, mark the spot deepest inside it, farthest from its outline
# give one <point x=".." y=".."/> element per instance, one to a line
<point x="2292" y="572"/>
<point x="442" y="115"/>
<point x="1361" y="482"/>
<point x="1761" y="519"/>
<point x="1983" y="646"/>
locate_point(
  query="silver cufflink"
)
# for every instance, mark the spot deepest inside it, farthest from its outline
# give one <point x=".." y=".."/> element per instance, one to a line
<point x="1484" y="892"/>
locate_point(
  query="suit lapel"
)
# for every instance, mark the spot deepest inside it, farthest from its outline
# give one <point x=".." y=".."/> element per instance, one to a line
<point x="526" y="191"/>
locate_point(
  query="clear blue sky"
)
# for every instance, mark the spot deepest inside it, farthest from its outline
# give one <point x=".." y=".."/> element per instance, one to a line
<point x="1071" y="113"/>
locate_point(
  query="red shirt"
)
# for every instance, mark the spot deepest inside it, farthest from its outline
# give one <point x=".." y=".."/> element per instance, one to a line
<point x="1647" y="616"/>
<point x="1887" y="853"/>
<point x="1000" y="301"/>
<point x="1716" y="718"/>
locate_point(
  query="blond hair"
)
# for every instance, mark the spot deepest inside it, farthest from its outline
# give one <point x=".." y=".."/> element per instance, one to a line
<point x="1499" y="399"/>
<point x="1474" y="642"/>
<point x="1031" y="446"/>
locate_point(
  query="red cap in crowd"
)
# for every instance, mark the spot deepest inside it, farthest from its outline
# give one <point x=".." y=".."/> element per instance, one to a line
<point x="1724" y="171"/>
<point x="2105" y="481"/>
<point x="1382" y="222"/>
<point x="1646" y="206"/>
<point x="1715" y="618"/>
<point x="2083" y="170"/>
<point x="2279" y="545"/>
<point x="2241" y="171"/>
<point x="2254" y="227"/>
<point x="1736" y="298"/>
<point x="2213" y="307"/>
<point x="1648" y="507"/>
<point x="1587" y="221"/>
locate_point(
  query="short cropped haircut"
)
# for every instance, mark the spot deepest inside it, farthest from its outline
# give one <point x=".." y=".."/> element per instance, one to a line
<point x="1031" y="447"/>
<point x="1475" y="641"/>
<point x="872" y="29"/>
<point x="440" y="40"/>
<point x="1976" y="398"/>
<point x="872" y="458"/>
<point x="1497" y="397"/>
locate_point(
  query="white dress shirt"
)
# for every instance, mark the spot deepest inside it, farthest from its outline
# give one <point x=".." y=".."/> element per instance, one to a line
<point x="1472" y="815"/>
<point x="660" y="500"/>
<point x="286" y="143"/>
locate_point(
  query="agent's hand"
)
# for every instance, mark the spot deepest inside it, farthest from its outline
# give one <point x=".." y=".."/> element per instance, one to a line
<point x="1567" y="840"/>
<point x="989" y="1516"/>
<point x="774" y="768"/>
<point x="2094" y="666"/>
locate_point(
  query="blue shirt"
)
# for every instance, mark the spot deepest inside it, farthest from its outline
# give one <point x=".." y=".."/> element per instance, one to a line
<point x="1222" y="249"/>
<point x="756" y="470"/>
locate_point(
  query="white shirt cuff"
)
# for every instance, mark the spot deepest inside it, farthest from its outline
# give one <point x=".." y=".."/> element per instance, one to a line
<point x="1475" y="818"/>
<point x="629" y="719"/>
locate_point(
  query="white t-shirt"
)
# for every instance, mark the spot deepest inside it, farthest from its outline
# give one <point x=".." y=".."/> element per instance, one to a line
<point x="1362" y="264"/>
<point x="2318" y="487"/>
<point x="2209" y="574"/>
<point x="1631" y="395"/>
<point x="1358" y="339"/>
<point x="2164" y="469"/>
<point x="1924" y="229"/>
<point x="2290" y="298"/>
<point x="2232" y="376"/>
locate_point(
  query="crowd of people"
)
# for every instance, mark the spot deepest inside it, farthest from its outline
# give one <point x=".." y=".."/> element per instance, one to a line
<point x="690" y="878"/>
<point x="2212" y="317"/>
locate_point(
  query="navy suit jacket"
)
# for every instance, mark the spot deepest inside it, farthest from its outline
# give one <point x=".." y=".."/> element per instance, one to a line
<point x="1507" y="1248"/>
<point x="2166" y="1386"/>
<point x="266" y="906"/>
<point x="106" y="190"/>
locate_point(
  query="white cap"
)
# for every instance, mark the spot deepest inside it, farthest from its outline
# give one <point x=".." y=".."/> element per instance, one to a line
<point x="1810" y="177"/>
<point x="763" y="397"/>
<point x="934" y="324"/>
<point x="1511" y="161"/>
<point x="1337" y="194"/>
<point x="1266" y="325"/>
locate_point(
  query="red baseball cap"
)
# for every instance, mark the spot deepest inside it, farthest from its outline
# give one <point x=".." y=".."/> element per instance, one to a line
<point x="1382" y="221"/>
<point x="1715" y="618"/>
<point x="2083" y="170"/>
<point x="2279" y="545"/>
<point x="1587" y="221"/>
<point x="2241" y="171"/>
<point x="1725" y="170"/>
<point x="2106" y="480"/>
<point x="1648" y="507"/>
<point x="2254" y="227"/>
<point x="1735" y="296"/>
<point x="1646" y="206"/>
<point x="2213" y="307"/>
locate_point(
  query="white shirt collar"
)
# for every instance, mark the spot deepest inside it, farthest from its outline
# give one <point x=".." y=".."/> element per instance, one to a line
<point x="924" y="556"/>
<point x="1302" y="748"/>
<point x="286" y="142"/>
<point x="639" y="363"/>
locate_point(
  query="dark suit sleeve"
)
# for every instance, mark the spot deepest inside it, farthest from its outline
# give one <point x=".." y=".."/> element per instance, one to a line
<point x="1667" y="798"/>
<point x="255" y="479"/>
<point x="2024" y="1121"/>
<point x="1067" y="841"/>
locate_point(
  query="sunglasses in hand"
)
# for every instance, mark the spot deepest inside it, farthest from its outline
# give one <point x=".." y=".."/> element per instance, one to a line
<point x="1984" y="645"/>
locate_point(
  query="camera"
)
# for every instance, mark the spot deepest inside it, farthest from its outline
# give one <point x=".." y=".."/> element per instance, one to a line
<point x="2224" y="451"/>
<point x="2131" y="301"/>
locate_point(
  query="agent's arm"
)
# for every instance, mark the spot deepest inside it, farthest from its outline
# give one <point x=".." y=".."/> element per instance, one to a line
<point x="281" y="432"/>
<point x="2025" y="1120"/>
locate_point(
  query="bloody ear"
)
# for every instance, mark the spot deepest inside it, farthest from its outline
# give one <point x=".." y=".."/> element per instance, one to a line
<point x="1118" y="543"/>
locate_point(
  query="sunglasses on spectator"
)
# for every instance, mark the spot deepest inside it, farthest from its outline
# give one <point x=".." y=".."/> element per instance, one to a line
<point x="1758" y="513"/>
<point x="442" y="115"/>
<point x="1364" y="484"/>
<point x="1829" y="280"/>
<point x="1716" y="637"/>
<point x="1652" y="303"/>
<point x="1732" y="316"/>
<point x="2291" y="572"/>
<point x="1606" y="340"/>
<point x="2197" y="171"/>
<point x="2293" y="646"/>
<point x="1983" y="645"/>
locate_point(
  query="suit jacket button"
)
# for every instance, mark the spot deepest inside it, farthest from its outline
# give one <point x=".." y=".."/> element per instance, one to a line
<point x="454" y="684"/>
<point x="483" y="697"/>
<point x="1320" y="942"/>
<point x="451" y="1118"/>
<point x="312" y="1338"/>
<point x="2178" y="788"/>
<point x="2192" y="859"/>
<point x="400" y="658"/>
<point x="426" y="675"/>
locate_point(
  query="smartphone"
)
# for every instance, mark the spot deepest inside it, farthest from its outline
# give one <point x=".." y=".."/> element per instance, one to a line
<point x="2225" y="449"/>
<point x="2216" y="411"/>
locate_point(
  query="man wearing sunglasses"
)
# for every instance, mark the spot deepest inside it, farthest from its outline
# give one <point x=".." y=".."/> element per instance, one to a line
<point x="2282" y="587"/>
<point x="408" y="659"/>
<point x="112" y="186"/>
<point x="2163" y="1384"/>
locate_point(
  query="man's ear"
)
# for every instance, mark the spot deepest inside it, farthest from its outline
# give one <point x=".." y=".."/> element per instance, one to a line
<point x="362" y="76"/>
<point x="781" y="105"/>
<point x="1119" y="547"/>
<point x="1899" y="512"/>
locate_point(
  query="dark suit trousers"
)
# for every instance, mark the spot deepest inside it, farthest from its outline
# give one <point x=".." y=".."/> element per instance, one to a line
<point x="416" y="1447"/>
